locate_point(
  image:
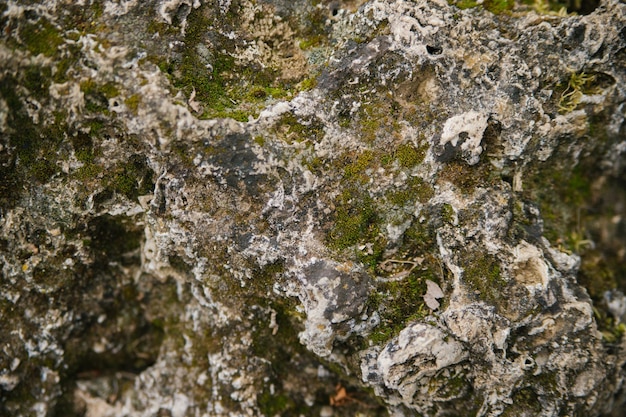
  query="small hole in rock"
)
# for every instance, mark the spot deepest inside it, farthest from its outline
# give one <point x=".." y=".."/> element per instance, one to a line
<point x="434" y="50"/>
<point x="583" y="7"/>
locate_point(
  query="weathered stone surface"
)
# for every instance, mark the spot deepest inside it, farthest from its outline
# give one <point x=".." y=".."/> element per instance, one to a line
<point x="304" y="208"/>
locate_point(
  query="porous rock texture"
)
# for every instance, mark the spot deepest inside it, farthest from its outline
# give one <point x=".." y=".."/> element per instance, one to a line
<point x="225" y="208"/>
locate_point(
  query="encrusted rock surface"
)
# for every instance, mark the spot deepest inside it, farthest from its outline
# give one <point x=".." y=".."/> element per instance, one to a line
<point x="223" y="208"/>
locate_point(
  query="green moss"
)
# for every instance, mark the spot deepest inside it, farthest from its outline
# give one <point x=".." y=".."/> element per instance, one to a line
<point x="494" y="6"/>
<point x="238" y="115"/>
<point x="132" y="179"/>
<point x="292" y="129"/>
<point x="259" y="94"/>
<point x="418" y="240"/>
<point x="90" y="87"/>
<point x="548" y="7"/>
<point x="66" y="65"/>
<point x="311" y="42"/>
<point x="409" y="156"/>
<point x="97" y="95"/>
<point x="315" y="31"/>
<point x="467" y="178"/>
<point x="463" y="4"/>
<point x="356" y="170"/>
<point x="401" y="300"/>
<point x="94" y="125"/>
<point x="399" y="303"/>
<point x="273" y="404"/>
<point x="548" y="381"/>
<point x="88" y="172"/>
<point x="578" y="85"/>
<point x="43" y="169"/>
<point x="264" y="278"/>
<point x="560" y="192"/>
<point x="191" y="72"/>
<point x="35" y="146"/>
<point x="132" y="102"/>
<point x="498" y="6"/>
<point x="447" y="213"/>
<point x="308" y="84"/>
<point x="525" y="400"/>
<point x="37" y="80"/>
<point x="259" y="140"/>
<point x="109" y="90"/>
<point x="356" y="220"/>
<point x="41" y="38"/>
<point x="482" y="275"/>
<point x="416" y="190"/>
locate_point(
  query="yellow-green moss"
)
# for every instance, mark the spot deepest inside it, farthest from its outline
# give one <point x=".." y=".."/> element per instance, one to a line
<point x="416" y="190"/>
<point x="409" y="156"/>
<point x="524" y="400"/>
<point x="447" y="213"/>
<point x="292" y="129"/>
<point x="36" y="146"/>
<point x="308" y="83"/>
<point x="578" y="85"/>
<point x="97" y="95"/>
<point x="560" y="194"/>
<point x="494" y="6"/>
<point x="311" y="42"/>
<point x="132" y="102"/>
<point x="259" y="140"/>
<point x="498" y="6"/>
<point x="482" y="275"/>
<point x="356" y="220"/>
<point x="37" y="80"/>
<point x="399" y="303"/>
<point x="356" y="169"/>
<point x="41" y="37"/>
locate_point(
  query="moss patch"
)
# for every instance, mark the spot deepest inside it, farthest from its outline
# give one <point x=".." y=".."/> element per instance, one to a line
<point x="409" y="156"/>
<point x="577" y="85"/>
<point x="97" y="95"/>
<point x="398" y="303"/>
<point x="35" y="147"/>
<point x="482" y="275"/>
<point x="356" y="220"/>
<point x="401" y="300"/>
<point x="132" y="103"/>
<point x="414" y="190"/>
<point x="132" y="179"/>
<point x="561" y="193"/>
<point x="494" y="6"/>
<point x="293" y="129"/>
<point x="41" y="37"/>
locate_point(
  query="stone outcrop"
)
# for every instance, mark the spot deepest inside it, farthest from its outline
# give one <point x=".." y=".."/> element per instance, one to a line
<point x="230" y="208"/>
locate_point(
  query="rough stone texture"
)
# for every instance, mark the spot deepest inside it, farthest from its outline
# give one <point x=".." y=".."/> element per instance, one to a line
<point x="222" y="208"/>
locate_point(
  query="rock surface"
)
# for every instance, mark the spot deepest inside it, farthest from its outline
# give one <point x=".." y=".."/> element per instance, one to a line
<point x="223" y="208"/>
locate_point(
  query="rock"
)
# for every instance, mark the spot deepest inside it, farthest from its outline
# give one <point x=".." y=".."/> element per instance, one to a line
<point x="270" y="208"/>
